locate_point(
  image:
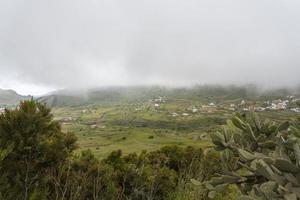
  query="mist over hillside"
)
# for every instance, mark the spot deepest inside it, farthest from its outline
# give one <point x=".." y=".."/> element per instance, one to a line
<point x="135" y="94"/>
<point x="77" y="97"/>
<point x="11" y="97"/>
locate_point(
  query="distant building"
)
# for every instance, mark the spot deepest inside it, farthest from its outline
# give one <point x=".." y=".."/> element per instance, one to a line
<point x="277" y="101"/>
<point x="297" y="110"/>
<point x="281" y="106"/>
<point x="174" y="114"/>
<point x="159" y="99"/>
<point x="93" y="126"/>
<point x="212" y="104"/>
<point x="259" y="109"/>
<point x="67" y="119"/>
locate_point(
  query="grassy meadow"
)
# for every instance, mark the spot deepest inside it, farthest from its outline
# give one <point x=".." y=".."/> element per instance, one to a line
<point x="149" y="124"/>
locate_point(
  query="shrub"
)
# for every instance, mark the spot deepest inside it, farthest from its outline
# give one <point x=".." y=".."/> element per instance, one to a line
<point x="262" y="159"/>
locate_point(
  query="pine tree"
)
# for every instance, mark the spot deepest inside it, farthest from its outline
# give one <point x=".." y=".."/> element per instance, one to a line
<point x="31" y="143"/>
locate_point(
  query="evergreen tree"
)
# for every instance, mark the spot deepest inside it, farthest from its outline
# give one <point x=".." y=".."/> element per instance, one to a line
<point x="31" y="144"/>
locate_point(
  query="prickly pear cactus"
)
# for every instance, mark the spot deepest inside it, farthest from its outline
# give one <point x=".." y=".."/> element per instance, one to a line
<point x="262" y="159"/>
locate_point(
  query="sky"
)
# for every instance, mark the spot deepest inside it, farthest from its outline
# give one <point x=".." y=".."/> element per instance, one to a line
<point x="53" y="44"/>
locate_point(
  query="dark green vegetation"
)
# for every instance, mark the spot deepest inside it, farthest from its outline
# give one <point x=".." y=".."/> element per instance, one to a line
<point x="152" y="146"/>
<point x="37" y="162"/>
<point x="31" y="144"/>
<point x="262" y="159"/>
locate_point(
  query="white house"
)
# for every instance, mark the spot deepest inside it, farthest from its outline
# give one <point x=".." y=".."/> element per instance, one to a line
<point x="194" y="110"/>
<point x="211" y="104"/>
<point x="174" y="114"/>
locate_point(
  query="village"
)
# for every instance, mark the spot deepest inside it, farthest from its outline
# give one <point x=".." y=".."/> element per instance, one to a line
<point x="287" y="104"/>
<point x="180" y="109"/>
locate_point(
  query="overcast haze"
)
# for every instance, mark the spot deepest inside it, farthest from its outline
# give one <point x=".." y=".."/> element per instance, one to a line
<point x="52" y="44"/>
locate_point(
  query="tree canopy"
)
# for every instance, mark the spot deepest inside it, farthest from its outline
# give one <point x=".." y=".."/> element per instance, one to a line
<point x="31" y="144"/>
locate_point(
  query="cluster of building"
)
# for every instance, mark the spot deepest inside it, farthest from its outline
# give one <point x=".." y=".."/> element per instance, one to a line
<point x="280" y="104"/>
<point x="211" y="107"/>
<point x="297" y="110"/>
<point x="157" y="101"/>
<point x="243" y="105"/>
<point x="277" y="104"/>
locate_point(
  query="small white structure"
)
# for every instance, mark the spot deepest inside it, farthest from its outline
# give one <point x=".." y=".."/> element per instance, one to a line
<point x="2" y="110"/>
<point x="156" y="105"/>
<point x="194" y="110"/>
<point x="281" y="106"/>
<point x="259" y="109"/>
<point x="159" y="99"/>
<point x="93" y="126"/>
<point x="297" y="110"/>
<point x="290" y="96"/>
<point x="174" y="114"/>
<point x="277" y="101"/>
<point x="212" y="104"/>
<point x="67" y="119"/>
<point x="185" y="114"/>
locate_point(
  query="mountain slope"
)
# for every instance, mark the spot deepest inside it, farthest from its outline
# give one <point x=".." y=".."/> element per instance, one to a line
<point x="137" y="94"/>
<point x="11" y="97"/>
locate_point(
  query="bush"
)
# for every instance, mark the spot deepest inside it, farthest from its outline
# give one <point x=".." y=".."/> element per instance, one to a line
<point x="37" y="162"/>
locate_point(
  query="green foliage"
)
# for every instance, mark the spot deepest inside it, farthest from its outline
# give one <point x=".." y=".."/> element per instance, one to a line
<point x="83" y="178"/>
<point x="262" y="159"/>
<point x="37" y="162"/>
<point x="30" y="145"/>
<point x="155" y="175"/>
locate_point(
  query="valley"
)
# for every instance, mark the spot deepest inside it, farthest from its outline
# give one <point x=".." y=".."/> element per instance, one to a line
<point x="150" y="123"/>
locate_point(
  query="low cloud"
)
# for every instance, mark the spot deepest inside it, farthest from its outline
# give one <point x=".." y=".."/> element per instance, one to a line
<point x="76" y="43"/>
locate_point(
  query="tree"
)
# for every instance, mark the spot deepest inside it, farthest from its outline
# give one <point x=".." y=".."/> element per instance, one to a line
<point x="31" y="144"/>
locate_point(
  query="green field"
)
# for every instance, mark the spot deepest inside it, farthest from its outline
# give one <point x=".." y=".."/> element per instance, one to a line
<point x="138" y="126"/>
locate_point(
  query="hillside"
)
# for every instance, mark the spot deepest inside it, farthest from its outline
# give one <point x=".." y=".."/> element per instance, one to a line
<point x="11" y="97"/>
<point x="209" y="93"/>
